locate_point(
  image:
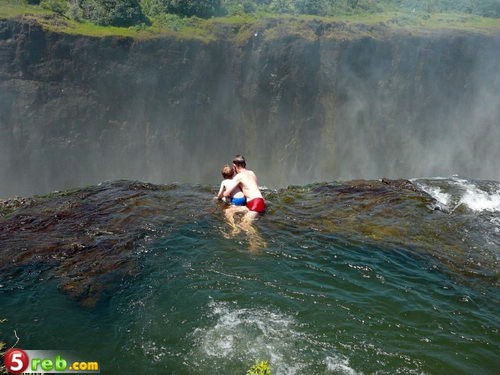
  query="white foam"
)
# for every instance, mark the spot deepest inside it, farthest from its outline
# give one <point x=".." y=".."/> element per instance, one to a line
<point x="339" y="365"/>
<point x="153" y="351"/>
<point x="250" y="335"/>
<point x="435" y="192"/>
<point x="477" y="199"/>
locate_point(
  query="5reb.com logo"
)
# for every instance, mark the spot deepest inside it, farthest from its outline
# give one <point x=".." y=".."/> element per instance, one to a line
<point x="43" y="361"/>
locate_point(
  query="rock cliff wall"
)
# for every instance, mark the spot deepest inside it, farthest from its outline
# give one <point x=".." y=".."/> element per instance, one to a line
<point x="76" y="110"/>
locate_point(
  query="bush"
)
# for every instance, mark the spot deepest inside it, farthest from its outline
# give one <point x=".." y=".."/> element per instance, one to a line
<point x="314" y="7"/>
<point x="488" y="8"/>
<point x="249" y="7"/>
<point x="172" y="21"/>
<point x="153" y="8"/>
<point x="57" y="6"/>
<point x="112" y="12"/>
<point x="282" y="6"/>
<point x="75" y="11"/>
<point x="184" y="8"/>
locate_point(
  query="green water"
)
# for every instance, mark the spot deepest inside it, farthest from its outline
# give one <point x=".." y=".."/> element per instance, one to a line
<point x="308" y="303"/>
<point x="365" y="277"/>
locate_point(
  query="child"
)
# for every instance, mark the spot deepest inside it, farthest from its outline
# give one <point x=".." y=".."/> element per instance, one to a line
<point x="236" y="198"/>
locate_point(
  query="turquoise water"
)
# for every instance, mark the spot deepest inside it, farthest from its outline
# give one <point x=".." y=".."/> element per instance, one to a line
<point x="309" y="301"/>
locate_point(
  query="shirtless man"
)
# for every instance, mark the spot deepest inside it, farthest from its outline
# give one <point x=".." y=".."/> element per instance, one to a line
<point x="247" y="181"/>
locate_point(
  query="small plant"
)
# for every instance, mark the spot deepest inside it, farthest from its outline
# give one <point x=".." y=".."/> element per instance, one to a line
<point x="261" y="368"/>
<point x="2" y="353"/>
<point x="3" y="347"/>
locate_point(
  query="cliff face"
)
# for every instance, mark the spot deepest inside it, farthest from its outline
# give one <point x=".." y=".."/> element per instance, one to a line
<point x="76" y="110"/>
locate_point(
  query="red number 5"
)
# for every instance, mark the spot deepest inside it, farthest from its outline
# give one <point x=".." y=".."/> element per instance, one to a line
<point x="16" y="361"/>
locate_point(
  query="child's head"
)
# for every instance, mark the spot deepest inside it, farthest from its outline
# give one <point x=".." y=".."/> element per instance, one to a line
<point x="227" y="172"/>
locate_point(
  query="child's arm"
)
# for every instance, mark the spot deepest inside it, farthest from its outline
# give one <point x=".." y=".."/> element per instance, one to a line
<point x="221" y="191"/>
<point x="231" y="186"/>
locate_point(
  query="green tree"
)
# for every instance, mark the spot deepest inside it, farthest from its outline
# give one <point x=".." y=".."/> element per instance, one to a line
<point x="487" y="8"/>
<point x="353" y="3"/>
<point x="57" y="6"/>
<point x="112" y="12"/>
<point x="153" y="8"/>
<point x="282" y="6"/>
<point x="315" y="7"/>
<point x="198" y="8"/>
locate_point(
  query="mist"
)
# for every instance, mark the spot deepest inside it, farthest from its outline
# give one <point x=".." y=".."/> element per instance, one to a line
<point x="76" y="111"/>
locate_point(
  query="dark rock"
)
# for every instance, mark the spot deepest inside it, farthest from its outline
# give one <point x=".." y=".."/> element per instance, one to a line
<point x="400" y="184"/>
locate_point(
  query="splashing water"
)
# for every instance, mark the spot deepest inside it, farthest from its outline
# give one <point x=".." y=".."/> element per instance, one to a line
<point x="477" y="199"/>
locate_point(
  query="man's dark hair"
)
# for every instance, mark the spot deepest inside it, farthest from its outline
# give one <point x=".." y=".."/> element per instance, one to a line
<point x="239" y="161"/>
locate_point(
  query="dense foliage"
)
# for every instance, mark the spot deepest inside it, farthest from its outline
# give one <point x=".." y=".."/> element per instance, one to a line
<point x="187" y="8"/>
<point x="131" y="12"/>
<point x="111" y="12"/>
<point x="57" y="6"/>
<point x="489" y="8"/>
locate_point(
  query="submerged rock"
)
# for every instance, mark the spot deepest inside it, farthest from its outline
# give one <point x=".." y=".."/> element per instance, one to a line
<point x="86" y="238"/>
<point x="92" y="240"/>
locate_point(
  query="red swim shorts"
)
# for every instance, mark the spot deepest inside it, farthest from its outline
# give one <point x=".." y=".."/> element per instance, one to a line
<point x="257" y="205"/>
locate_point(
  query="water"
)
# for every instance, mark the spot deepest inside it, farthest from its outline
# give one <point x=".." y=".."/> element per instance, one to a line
<point x="347" y="278"/>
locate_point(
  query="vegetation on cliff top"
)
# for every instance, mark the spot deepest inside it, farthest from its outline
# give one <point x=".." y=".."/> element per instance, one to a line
<point x="239" y="19"/>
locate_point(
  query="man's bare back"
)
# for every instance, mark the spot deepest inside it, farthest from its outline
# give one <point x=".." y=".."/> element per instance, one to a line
<point x="247" y="181"/>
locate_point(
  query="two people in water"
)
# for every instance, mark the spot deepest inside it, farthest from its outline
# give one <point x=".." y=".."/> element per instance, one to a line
<point x="240" y="189"/>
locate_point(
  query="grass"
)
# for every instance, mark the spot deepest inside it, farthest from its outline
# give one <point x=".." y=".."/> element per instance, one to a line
<point x="241" y="27"/>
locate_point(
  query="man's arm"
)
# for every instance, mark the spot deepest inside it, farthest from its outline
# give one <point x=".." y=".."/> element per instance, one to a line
<point x="231" y="185"/>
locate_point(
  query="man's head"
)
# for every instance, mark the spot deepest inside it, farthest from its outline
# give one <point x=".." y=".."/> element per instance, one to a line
<point x="239" y="162"/>
<point x="227" y="172"/>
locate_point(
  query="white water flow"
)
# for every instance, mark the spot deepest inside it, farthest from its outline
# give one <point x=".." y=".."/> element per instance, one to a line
<point x="477" y="199"/>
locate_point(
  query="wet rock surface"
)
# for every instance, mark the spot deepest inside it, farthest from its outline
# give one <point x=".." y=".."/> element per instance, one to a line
<point x="85" y="238"/>
<point x="91" y="240"/>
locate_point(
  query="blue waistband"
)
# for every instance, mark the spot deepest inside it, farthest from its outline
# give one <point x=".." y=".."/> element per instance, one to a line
<point x="239" y="201"/>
